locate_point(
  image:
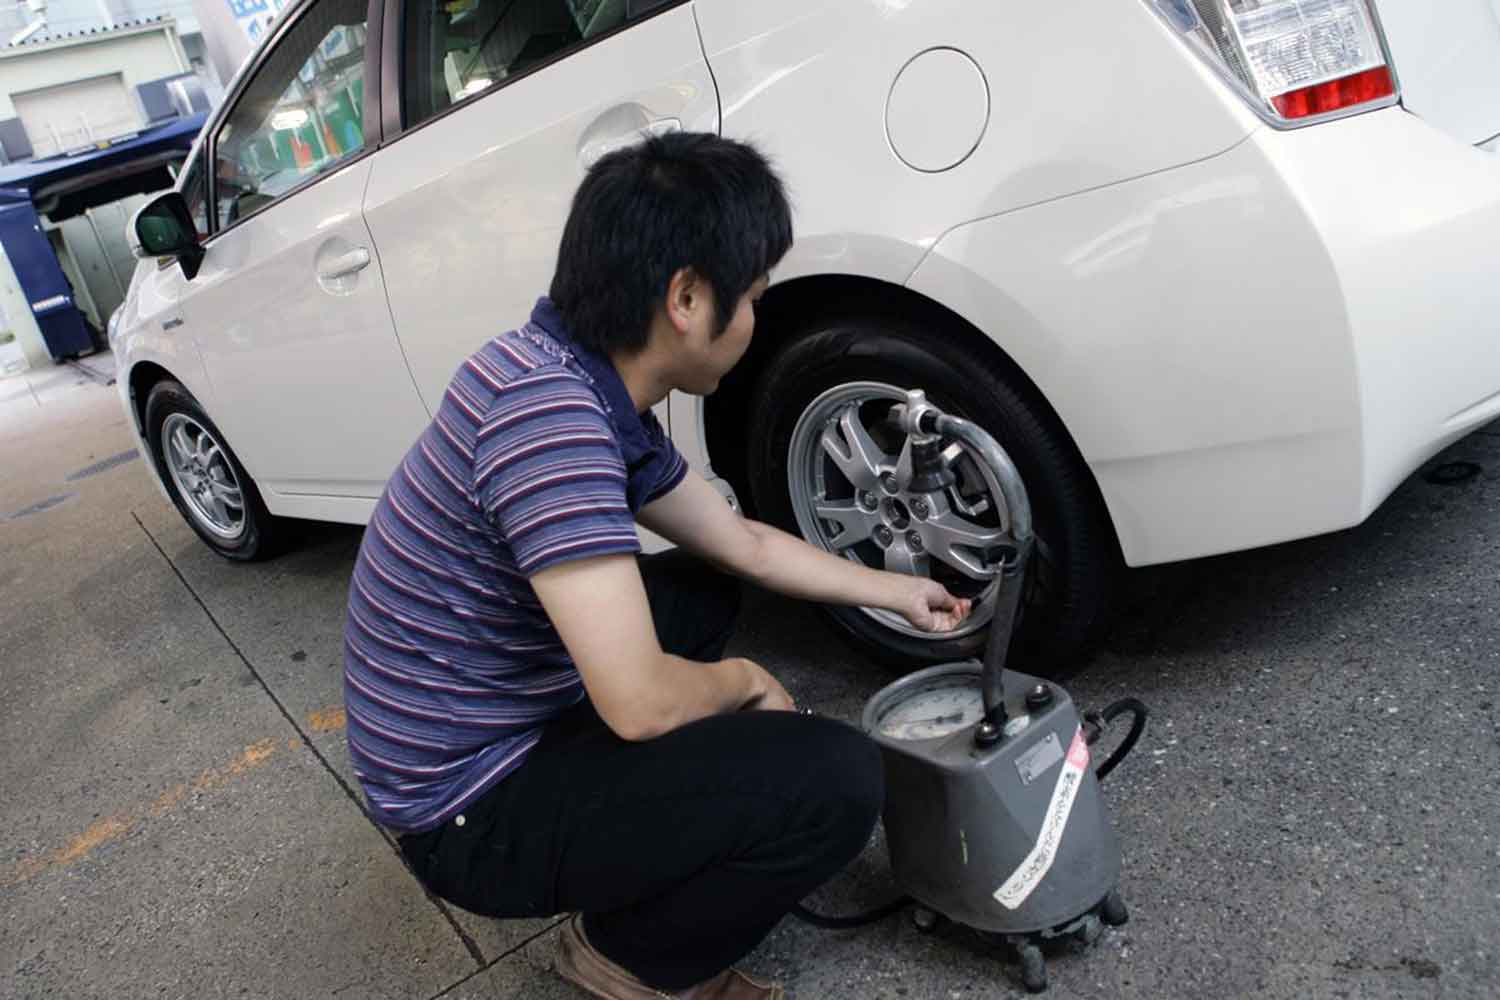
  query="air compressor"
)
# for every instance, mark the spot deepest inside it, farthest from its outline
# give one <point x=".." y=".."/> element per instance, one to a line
<point x="993" y="815"/>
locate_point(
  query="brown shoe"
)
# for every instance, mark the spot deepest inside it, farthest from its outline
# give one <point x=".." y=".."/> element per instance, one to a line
<point x="580" y="964"/>
<point x="732" y="984"/>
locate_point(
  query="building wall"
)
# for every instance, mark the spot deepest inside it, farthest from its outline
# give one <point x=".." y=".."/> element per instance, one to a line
<point x="72" y="16"/>
<point x="143" y="57"/>
<point x="232" y="28"/>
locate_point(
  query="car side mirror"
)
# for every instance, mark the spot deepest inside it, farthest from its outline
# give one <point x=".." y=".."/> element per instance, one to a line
<point x="164" y="228"/>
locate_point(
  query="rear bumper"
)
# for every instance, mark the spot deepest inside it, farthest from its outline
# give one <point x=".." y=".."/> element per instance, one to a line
<point x="1259" y="346"/>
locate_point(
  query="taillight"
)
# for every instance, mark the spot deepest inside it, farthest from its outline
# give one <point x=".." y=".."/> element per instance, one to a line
<point x="1296" y="61"/>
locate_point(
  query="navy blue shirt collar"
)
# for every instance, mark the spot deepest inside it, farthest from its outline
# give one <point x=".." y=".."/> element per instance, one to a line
<point x="642" y="441"/>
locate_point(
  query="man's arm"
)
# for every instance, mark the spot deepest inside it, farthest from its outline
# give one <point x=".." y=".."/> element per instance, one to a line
<point x="599" y="608"/>
<point x="695" y="517"/>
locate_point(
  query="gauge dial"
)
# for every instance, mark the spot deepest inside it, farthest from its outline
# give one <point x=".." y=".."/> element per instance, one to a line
<point x="934" y="712"/>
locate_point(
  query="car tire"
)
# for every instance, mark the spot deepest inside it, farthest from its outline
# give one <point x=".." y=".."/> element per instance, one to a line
<point x="1076" y="561"/>
<point x="210" y="488"/>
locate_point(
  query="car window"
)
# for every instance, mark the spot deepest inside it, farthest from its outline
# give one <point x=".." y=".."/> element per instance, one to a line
<point x="300" y="116"/>
<point x="194" y="190"/>
<point x="455" y="49"/>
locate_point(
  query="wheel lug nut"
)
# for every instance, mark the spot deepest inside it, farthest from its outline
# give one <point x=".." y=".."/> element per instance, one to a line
<point x="883" y="537"/>
<point x="920" y="510"/>
<point x="914" y="541"/>
<point x="867" y="500"/>
<point x="888" y="483"/>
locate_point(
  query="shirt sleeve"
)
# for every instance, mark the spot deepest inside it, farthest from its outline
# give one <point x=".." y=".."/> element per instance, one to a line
<point x="670" y="468"/>
<point x="548" y="473"/>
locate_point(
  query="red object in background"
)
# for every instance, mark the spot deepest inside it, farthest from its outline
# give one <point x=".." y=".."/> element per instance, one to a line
<point x="301" y="152"/>
<point x="1335" y="95"/>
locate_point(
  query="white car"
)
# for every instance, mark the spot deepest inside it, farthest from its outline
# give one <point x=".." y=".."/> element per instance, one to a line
<point x="1219" y="273"/>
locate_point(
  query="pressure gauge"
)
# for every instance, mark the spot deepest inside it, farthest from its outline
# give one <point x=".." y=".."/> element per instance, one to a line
<point x="940" y="707"/>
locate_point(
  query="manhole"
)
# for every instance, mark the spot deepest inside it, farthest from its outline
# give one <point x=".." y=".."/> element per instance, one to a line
<point x="1452" y="473"/>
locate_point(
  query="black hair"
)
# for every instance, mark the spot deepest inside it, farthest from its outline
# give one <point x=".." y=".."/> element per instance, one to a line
<point x="645" y="212"/>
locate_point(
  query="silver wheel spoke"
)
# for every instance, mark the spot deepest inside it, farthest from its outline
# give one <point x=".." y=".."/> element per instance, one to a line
<point x="900" y="559"/>
<point x="855" y="523"/>
<point x="903" y="465"/>
<point x="854" y="451"/>
<point x="221" y="512"/>
<point x="962" y="545"/>
<point x="182" y="447"/>
<point x="227" y="493"/>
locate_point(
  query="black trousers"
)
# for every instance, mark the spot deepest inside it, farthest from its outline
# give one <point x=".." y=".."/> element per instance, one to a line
<point x="682" y="852"/>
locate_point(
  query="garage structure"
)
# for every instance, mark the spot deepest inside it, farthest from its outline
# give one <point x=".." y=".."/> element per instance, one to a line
<point x="54" y="296"/>
<point x="91" y="121"/>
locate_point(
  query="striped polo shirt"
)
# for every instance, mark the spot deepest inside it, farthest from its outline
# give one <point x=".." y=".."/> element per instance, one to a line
<point x="451" y="667"/>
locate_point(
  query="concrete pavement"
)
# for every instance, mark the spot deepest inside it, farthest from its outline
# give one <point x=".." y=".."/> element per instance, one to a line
<point x="1312" y="812"/>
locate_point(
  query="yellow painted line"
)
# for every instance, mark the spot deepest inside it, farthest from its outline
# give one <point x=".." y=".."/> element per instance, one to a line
<point x="112" y="828"/>
<point x="329" y="720"/>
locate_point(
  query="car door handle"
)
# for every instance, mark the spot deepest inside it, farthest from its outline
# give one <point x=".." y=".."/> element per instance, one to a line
<point x="596" y="151"/>
<point x="168" y="325"/>
<point x="345" y="264"/>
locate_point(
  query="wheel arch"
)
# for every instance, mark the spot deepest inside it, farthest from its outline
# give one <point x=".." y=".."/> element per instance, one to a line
<point x="144" y="376"/>
<point x="793" y="306"/>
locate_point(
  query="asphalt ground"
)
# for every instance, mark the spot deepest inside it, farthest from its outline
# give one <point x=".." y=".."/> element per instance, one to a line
<point x="1312" y="813"/>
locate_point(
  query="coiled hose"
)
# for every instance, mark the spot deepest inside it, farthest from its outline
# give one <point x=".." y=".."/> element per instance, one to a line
<point x="1096" y="724"/>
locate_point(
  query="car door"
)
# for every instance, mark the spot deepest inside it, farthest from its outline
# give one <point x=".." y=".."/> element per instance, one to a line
<point x="503" y="104"/>
<point x="288" y="310"/>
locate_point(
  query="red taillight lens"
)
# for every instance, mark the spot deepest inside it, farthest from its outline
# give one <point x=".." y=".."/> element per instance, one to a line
<point x="1335" y="95"/>
<point x="1295" y="61"/>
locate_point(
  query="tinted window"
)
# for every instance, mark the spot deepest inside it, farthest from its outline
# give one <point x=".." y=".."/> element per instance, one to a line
<point x="195" y="192"/>
<point x="455" y="50"/>
<point x="301" y="115"/>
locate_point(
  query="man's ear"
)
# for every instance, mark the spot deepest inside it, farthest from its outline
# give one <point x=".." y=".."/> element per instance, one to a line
<point x="684" y="296"/>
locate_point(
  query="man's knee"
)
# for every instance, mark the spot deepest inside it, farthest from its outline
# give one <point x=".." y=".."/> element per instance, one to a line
<point x="843" y="768"/>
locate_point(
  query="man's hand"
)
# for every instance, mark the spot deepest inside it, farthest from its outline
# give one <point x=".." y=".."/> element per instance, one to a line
<point x="769" y="695"/>
<point x="928" y="605"/>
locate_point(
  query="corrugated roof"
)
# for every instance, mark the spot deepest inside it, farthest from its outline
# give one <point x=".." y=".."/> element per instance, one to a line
<point x="102" y="31"/>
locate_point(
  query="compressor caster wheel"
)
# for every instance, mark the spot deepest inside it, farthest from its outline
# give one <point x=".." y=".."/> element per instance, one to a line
<point x="1089" y="930"/>
<point x="1033" y="968"/>
<point x="1112" y="911"/>
<point x="925" y="920"/>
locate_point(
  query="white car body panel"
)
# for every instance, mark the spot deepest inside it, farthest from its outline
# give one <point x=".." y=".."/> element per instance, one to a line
<point x="344" y="409"/>
<point x="1418" y="278"/>
<point x="1447" y="53"/>
<point x="468" y="210"/>
<point x="1218" y="397"/>
<point x="1253" y="399"/>
<point x="770" y="59"/>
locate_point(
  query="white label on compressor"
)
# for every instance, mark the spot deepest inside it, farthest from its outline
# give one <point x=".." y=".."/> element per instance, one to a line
<point x="1024" y="880"/>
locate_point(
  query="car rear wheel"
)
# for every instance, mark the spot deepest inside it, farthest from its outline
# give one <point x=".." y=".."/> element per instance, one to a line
<point x="824" y="464"/>
<point x="205" y="480"/>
